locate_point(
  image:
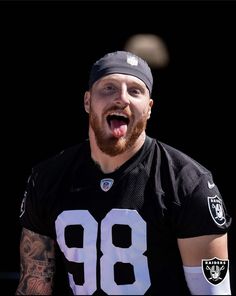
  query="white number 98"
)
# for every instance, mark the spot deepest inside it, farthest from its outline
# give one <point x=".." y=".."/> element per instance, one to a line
<point x="111" y="254"/>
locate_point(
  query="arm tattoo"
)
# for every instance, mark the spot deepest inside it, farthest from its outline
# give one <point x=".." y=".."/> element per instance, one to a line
<point x="37" y="264"/>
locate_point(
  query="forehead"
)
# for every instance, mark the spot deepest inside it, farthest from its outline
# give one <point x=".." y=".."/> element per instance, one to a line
<point x="120" y="78"/>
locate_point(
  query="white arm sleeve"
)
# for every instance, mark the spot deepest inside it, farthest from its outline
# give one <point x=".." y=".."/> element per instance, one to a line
<point x="198" y="285"/>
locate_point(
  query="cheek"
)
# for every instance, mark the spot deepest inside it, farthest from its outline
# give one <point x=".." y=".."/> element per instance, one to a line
<point x="97" y="108"/>
<point x="143" y="110"/>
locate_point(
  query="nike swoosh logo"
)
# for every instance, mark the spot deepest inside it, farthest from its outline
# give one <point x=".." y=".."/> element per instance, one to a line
<point x="77" y="189"/>
<point x="210" y="185"/>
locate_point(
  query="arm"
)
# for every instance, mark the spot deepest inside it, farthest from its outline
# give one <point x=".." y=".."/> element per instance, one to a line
<point x="37" y="264"/>
<point x="192" y="251"/>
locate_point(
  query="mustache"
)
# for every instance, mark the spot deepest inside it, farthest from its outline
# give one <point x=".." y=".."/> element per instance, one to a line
<point x="126" y="111"/>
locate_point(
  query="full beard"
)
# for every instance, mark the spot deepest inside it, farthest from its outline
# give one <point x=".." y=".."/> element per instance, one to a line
<point x="113" y="146"/>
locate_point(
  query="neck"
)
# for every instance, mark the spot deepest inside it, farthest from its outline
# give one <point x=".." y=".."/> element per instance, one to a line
<point x="107" y="163"/>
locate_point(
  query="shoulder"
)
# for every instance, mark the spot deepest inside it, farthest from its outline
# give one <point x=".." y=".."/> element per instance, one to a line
<point x="190" y="194"/>
<point x="179" y="160"/>
<point x="183" y="170"/>
<point x="59" y="164"/>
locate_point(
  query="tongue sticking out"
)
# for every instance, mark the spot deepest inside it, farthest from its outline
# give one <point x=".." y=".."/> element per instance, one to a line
<point x="118" y="127"/>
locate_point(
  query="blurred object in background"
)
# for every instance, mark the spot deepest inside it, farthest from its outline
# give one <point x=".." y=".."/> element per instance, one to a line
<point x="150" y="47"/>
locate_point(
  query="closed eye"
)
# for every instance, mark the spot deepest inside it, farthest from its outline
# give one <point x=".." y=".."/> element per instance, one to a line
<point x="135" y="91"/>
<point x="109" y="89"/>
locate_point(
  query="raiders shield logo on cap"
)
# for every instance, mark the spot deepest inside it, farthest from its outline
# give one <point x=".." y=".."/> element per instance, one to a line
<point x="215" y="270"/>
<point x="106" y="184"/>
<point x="216" y="210"/>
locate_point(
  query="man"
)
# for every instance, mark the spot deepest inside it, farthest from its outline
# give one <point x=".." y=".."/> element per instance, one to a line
<point x="130" y="214"/>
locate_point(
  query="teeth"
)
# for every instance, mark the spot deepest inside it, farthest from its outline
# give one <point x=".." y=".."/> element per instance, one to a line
<point x="118" y="114"/>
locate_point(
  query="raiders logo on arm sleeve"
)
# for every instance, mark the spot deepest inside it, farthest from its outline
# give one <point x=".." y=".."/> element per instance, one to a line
<point x="203" y="211"/>
<point x="31" y="207"/>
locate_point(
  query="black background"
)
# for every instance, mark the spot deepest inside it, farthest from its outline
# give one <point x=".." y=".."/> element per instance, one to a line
<point x="47" y="49"/>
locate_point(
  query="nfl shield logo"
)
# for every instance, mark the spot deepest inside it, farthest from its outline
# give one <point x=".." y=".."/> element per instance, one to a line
<point x="132" y="60"/>
<point x="106" y="184"/>
<point x="216" y="210"/>
<point x="215" y="270"/>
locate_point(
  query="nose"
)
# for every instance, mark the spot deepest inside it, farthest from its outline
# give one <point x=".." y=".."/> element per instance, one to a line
<point x="122" y="98"/>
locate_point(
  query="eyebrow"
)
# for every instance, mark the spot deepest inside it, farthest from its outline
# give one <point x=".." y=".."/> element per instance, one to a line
<point x="114" y="80"/>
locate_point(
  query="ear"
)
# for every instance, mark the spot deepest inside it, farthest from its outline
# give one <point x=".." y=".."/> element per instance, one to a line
<point x="150" y="108"/>
<point x="87" y="101"/>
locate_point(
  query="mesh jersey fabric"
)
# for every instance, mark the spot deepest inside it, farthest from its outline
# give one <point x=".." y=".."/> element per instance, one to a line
<point x="159" y="195"/>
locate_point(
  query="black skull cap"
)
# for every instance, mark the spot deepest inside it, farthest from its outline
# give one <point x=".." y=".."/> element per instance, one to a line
<point x="121" y="62"/>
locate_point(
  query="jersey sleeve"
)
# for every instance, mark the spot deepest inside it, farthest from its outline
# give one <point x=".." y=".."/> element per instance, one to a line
<point x="31" y="210"/>
<point x="202" y="211"/>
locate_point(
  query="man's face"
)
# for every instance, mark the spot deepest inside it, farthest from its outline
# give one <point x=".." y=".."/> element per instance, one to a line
<point x="118" y="106"/>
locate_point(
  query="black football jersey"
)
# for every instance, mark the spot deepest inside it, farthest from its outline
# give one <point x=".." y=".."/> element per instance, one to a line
<point x="117" y="233"/>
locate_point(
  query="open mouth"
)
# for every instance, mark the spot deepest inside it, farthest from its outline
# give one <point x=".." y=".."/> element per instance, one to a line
<point x="118" y="124"/>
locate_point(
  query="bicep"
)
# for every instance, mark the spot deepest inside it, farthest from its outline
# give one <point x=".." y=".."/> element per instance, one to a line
<point x="37" y="258"/>
<point x="194" y="249"/>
